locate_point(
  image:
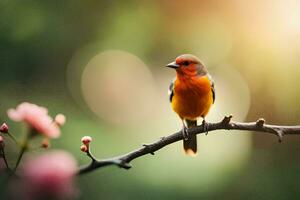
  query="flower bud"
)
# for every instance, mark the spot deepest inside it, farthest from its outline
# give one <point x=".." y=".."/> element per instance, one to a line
<point x="4" y="128"/>
<point x="45" y="143"/>
<point x="60" y="119"/>
<point x="86" y="140"/>
<point x="83" y="148"/>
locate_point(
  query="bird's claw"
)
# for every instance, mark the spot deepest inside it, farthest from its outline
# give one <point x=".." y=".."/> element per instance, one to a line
<point x="185" y="133"/>
<point x="205" y="126"/>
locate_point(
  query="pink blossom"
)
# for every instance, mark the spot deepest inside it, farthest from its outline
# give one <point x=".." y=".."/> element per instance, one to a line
<point x="36" y="117"/>
<point x="50" y="175"/>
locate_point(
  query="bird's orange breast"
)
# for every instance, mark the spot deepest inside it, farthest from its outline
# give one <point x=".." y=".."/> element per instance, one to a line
<point x="192" y="97"/>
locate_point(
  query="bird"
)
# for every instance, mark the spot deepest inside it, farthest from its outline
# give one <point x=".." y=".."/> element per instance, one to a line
<point x="191" y="94"/>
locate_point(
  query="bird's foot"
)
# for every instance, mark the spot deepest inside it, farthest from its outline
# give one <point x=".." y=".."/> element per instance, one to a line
<point x="185" y="133"/>
<point x="205" y="126"/>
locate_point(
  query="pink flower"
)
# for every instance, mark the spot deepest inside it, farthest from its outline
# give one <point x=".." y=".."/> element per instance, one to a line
<point x="50" y="175"/>
<point x="36" y="117"/>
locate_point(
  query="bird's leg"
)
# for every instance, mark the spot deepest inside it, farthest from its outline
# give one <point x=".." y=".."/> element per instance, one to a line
<point x="205" y="126"/>
<point x="184" y="131"/>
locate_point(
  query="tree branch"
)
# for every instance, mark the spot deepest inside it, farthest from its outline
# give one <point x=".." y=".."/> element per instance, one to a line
<point x="226" y="124"/>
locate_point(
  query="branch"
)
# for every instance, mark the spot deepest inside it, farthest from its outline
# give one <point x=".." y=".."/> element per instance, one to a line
<point x="226" y="124"/>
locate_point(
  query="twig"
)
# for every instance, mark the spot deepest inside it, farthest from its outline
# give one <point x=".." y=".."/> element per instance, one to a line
<point x="24" y="148"/>
<point x="89" y="154"/>
<point x="258" y="126"/>
<point x="4" y="158"/>
<point x="13" y="137"/>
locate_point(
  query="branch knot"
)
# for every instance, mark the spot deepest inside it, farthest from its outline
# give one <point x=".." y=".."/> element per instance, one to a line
<point x="226" y="120"/>
<point x="280" y="134"/>
<point x="122" y="164"/>
<point x="148" y="147"/>
<point x="260" y="122"/>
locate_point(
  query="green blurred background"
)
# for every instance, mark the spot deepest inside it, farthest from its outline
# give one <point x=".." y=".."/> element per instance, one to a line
<point x="101" y="64"/>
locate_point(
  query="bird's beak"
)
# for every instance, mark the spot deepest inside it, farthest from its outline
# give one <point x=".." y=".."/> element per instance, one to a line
<point x="173" y="65"/>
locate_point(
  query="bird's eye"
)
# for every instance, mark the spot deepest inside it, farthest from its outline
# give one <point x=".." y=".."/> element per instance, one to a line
<point x="186" y="63"/>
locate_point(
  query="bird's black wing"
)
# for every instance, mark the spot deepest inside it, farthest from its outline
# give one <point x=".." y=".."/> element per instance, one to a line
<point x="212" y="88"/>
<point x="171" y="90"/>
<point x="213" y="92"/>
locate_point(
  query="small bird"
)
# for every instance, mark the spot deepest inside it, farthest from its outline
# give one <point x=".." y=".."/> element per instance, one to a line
<point x="191" y="94"/>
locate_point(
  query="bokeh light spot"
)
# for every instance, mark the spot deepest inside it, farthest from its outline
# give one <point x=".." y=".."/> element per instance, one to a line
<point x="118" y="87"/>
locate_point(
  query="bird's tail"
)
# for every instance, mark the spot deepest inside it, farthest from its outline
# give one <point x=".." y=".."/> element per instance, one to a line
<point x="190" y="145"/>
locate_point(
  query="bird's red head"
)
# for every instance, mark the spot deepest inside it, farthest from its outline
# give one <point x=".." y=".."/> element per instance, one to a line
<point x="188" y="65"/>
